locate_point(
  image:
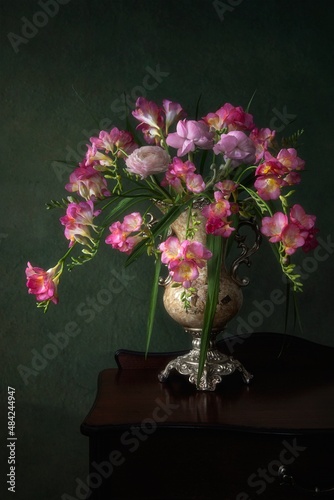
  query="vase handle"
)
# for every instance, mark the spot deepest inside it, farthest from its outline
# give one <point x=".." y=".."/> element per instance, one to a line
<point x="246" y="252"/>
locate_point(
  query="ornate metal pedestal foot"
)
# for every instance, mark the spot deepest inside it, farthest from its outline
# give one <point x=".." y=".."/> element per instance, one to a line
<point x="217" y="365"/>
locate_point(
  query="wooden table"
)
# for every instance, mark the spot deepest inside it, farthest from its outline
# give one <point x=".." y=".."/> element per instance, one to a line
<point x="272" y="439"/>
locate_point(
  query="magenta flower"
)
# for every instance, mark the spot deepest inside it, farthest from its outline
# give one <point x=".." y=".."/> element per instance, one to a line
<point x="116" y="141"/>
<point x="89" y="183"/>
<point x="236" y="146"/>
<point x="196" y="252"/>
<point x="171" y="250"/>
<point x="42" y="283"/>
<point x="150" y="116"/>
<point x="292" y="238"/>
<point x="189" y="135"/>
<point x="97" y="159"/>
<point x="121" y="234"/>
<point x="230" y="117"/>
<point x="78" y="221"/>
<point x="184" y="272"/>
<point x="147" y="160"/>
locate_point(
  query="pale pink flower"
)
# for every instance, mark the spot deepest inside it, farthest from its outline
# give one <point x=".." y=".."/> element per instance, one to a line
<point x="189" y="135"/>
<point x="299" y="217"/>
<point x="236" y="146"/>
<point x="42" y="283"/>
<point x="132" y="222"/>
<point x="273" y="226"/>
<point x="292" y="238"/>
<point x="288" y="158"/>
<point x="78" y="220"/>
<point x="220" y="208"/>
<point x="99" y="160"/>
<point x="173" y="112"/>
<point x="147" y="160"/>
<point x="89" y="183"/>
<point x="195" y="183"/>
<point x="170" y="249"/>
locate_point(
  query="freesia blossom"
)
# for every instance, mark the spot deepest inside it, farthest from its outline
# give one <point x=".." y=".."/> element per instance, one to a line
<point x="121" y="235"/>
<point x="263" y="139"/>
<point x="297" y="232"/>
<point x="273" y="226"/>
<point x="180" y="174"/>
<point x="217" y="216"/>
<point x="78" y="220"/>
<point x="150" y="116"/>
<point x="42" y="283"/>
<point x="189" y="135"/>
<point x="226" y="187"/>
<point x="173" y="112"/>
<point x="99" y="160"/>
<point x="184" y="259"/>
<point x="89" y="183"/>
<point x="236" y="146"/>
<point x="269" y="186"/>
<point x="230" y="117"/>
<point x="147" y="160"/>
<point x="288" y="158"/>
<point x="116" y="141"/>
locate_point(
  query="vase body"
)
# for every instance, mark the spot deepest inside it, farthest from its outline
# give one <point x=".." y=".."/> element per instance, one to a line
<point x="192" y="318"/>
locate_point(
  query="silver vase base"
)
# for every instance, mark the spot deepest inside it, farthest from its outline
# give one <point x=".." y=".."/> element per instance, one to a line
<point x="217" y="365"/>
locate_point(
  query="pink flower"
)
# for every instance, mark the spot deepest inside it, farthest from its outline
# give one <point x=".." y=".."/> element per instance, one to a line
<point x="292" y="238"/>
<point x="263" y="139"/>
<point x="273" y="226"/>
<point x="189" y="135"/>
<point x="99" y="160"/>
<point x="114" y="141"/>
<point x="147" y="160"/>
<point x="150" y="116"/>
<point x="289" y="158"/>
<point x="42" y="283"/>
<point x="78" y="220"/>
<point x="173" y="112"/>
<point x="183" y="173"/>
<point x="170" y="249"/>
<point x="196" y="252"/>
<point x="121" y="237"/>
<point x="221" y="208"/>
<point x="226" y="187"/>
<point x="237" y="146"/>
<point x="269" y="186"/>
<point x="219" y="226"/>
<point x="300" y="218"/>
<point x="230" y="117"/>
<point x="89" y="183"/>
<point x="184" y="271"/>
<point x="184" y="259"/>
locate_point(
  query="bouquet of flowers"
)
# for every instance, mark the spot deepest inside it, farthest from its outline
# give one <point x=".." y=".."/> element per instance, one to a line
<point x="235" y="169"/>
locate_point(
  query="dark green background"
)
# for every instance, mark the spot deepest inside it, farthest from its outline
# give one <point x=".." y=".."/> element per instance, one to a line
<point x="55" y="91"/>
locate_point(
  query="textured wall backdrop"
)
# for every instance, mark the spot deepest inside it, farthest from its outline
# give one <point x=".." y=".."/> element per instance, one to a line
<point x="65" y="67"/>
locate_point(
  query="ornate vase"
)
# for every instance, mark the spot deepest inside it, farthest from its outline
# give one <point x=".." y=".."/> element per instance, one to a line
<point x="230" y="300"/>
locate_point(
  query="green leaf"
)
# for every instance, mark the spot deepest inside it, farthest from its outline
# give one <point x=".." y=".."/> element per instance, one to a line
<point x="153" y="303"/>
<point x="250" y="101"/>
<point x="217" y="245"/>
